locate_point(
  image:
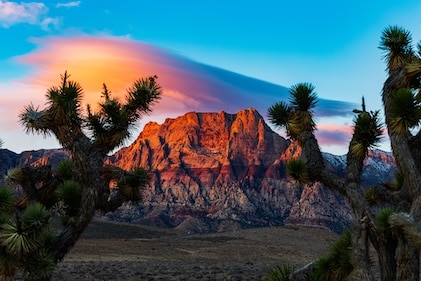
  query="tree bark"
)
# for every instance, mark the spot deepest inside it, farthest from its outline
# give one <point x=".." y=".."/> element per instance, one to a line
<point x="386" y="250"/>
<point x="87" y="163"/>
<point x="407" y="256"/>
<point x="407" y="259"/>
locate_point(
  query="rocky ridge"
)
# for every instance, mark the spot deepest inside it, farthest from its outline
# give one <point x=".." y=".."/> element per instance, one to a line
<point x="220" y="171"/>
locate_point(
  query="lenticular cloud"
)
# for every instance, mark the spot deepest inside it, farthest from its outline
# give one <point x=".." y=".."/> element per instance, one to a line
<point x="187" y="85"/>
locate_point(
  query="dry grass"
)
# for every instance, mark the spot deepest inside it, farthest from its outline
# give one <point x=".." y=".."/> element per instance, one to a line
<point x="111" y="251"/>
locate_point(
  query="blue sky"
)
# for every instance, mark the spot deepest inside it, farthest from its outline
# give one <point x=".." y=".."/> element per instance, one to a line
<point x="210" y="55"/>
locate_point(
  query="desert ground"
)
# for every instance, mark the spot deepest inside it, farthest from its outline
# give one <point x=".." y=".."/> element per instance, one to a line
<point x="115" y="251"/>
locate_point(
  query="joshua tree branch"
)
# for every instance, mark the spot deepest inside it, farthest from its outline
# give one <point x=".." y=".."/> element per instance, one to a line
<point x="405" y="223"/>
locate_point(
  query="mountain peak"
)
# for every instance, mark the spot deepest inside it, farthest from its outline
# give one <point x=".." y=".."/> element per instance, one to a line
<point x="226" y="170"/>
<point x="204" y="139"/>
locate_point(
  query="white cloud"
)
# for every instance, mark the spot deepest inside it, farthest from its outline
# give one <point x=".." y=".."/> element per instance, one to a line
<point x="69" y="4"/>
<point x="47" y="22"/>
<point x="12" y="13"/>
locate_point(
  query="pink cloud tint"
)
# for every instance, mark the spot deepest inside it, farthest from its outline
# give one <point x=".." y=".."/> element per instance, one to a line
<point x="187" y="85"/>
<point x="332" y="134"/>
<point x="118" y="62"/>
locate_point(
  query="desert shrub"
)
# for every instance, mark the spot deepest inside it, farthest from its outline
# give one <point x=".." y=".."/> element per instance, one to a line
<point x="279" y="273"/>
<point x="336" y="265"/>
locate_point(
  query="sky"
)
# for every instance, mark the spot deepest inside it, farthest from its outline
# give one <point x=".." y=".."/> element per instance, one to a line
<point x="208" y="56"/>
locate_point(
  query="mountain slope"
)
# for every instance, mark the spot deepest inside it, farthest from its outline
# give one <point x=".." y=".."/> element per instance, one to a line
<point x="216" y="171"/>
<point x="220" y="171"/>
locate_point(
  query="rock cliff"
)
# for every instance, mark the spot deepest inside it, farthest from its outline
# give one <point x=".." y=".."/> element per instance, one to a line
<point x="217" y="171"/>
<point x="220" y="171"/>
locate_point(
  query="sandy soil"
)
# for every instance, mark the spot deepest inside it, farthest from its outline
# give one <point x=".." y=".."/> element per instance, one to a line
<point x="111" y="251"/>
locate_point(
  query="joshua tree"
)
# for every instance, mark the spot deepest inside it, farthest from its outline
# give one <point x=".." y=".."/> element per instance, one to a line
<point x="394" y="232"/>
<point x="78" y="187"/>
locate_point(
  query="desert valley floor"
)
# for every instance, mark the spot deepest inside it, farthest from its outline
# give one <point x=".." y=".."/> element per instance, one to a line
<point x="112" y="251"/>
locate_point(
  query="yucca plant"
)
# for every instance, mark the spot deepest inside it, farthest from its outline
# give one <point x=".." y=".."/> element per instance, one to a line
<point x="17" y="240"/>
<point x="64" y="170"/>
<point x="70" y="193"/>
<point x="405" y="111"/>
<point x="128" y="184"/>
<point x="6" y="200"/>
<point x="39" y="265"/>
<point x="279" y="114"/>
<point x="396" y="183"/>
<point x="336" y="265"/>
<point x="396" y="43"/>
<point x="279" y="273"/>
<point x="297" y="116"/>
<point x="35" y="218"/>
<point x="296" y="168"/>
<point x="77" y="188"/>
<point x="23" y="235"/>
<point x="370" y="196"/>
<point x="65" y="101"/>
<point x="382" y="219"/>
<point x="8" y="266"/>
<point x="367" y="133"/>
<point x="303" y="99"/>
<point x="14" y="175"/>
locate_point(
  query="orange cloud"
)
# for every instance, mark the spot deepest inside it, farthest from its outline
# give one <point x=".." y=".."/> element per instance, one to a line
<point x="118" y="62"/>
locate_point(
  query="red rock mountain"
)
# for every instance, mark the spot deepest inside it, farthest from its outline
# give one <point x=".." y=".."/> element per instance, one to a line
<point x="220" y="171"/>
<point x="213" y="171"/>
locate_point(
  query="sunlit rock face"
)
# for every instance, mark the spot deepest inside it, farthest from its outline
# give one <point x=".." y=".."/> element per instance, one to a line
<point x="220" y="171"/>
<point x="228" y="171"/>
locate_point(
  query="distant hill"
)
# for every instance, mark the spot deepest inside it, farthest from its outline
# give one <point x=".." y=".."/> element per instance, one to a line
<point x="220" y="171"/>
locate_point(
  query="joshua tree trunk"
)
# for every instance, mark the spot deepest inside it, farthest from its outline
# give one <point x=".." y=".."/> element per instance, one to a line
<point x="87" y="163"/>
<point x="360" y="254"/>
<point x="395" y="233"/>
<point x="407" y="259"/>
<point x="407" y="256"/>
<point x="82" y="186"/>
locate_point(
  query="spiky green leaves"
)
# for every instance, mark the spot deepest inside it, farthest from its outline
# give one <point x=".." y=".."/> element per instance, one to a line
<point x="35" y="217"/>
<point x="15" y="175"/>
<point x="303" y="97"/>
<point x="6" y="199"/>
<point x="297" y="116"/>
<point x="16" y="240"/>
<point x="64" y="169"/>
<point x="25" y="239"/>
<point x="367" y="133"/>
<point x="382" y="219"/>
<point x="337" y="264"/>
<point x="24" y="234"/>
<point x="39" y="266"/>
<point x="297" y="169"/>
<point x="141" y="96"/>
<point x="70" y="192"/>
<point x="396" y="183"/>
<point x="130" y="185"/>
<point x="6" y="203"/>
<point x="279" y="114"/>
<point x="34" y="120"/>
<point x="371" y="196"/>
<point x="396" y="44"/>
<point x="110" y="126"/>
<point x="279" y="273"/>
<point x="405" y="111"/>
<point x="65" y="101"/>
